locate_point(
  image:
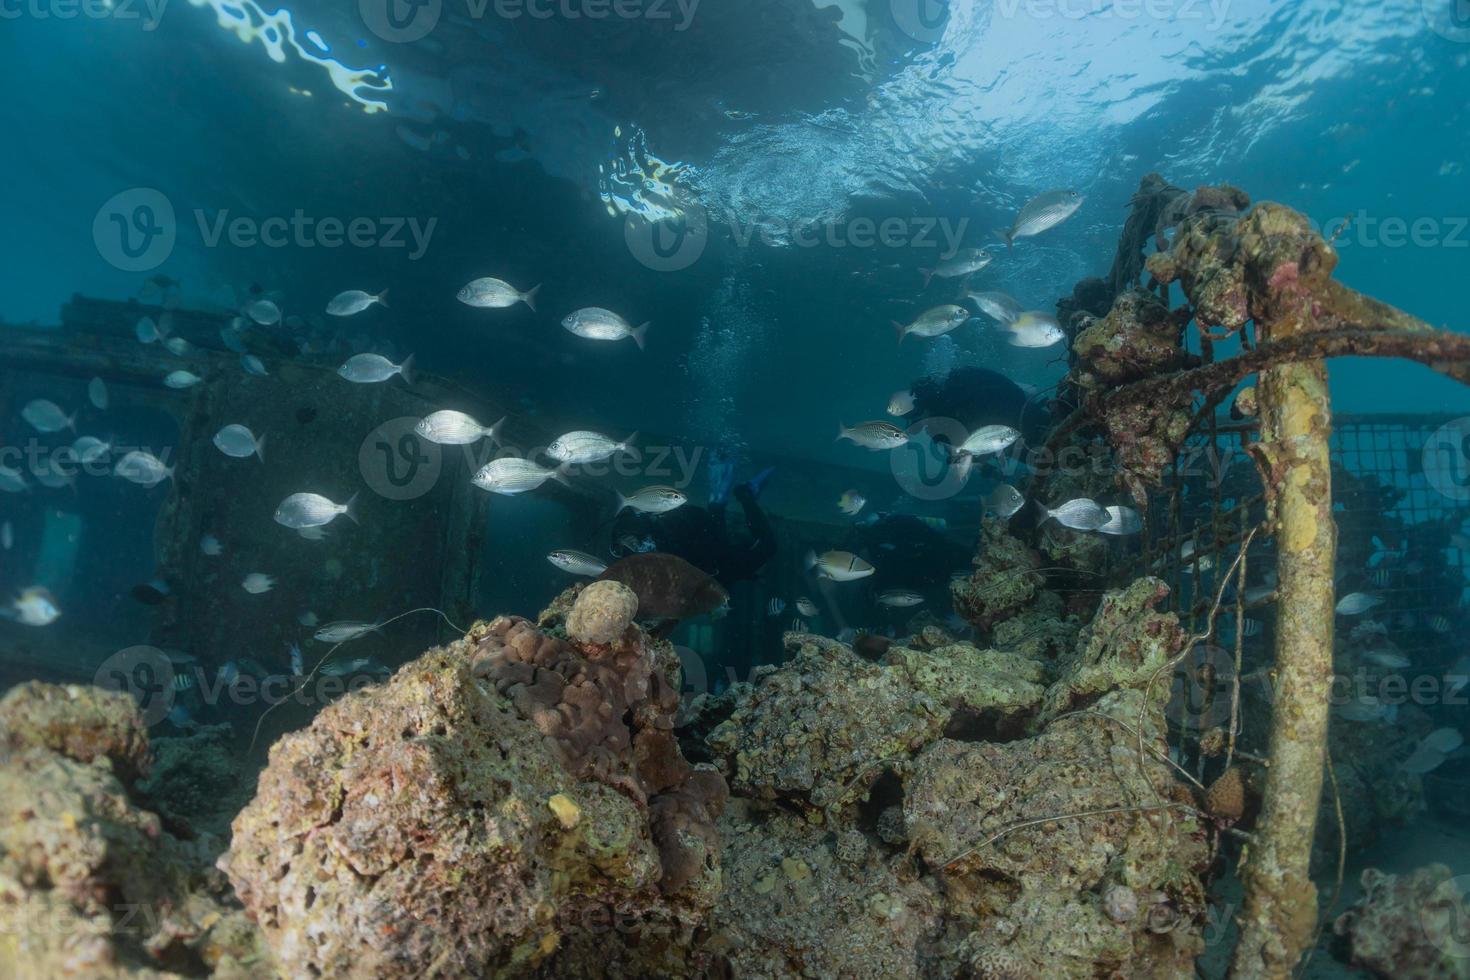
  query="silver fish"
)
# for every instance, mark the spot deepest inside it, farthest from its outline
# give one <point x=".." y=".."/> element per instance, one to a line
<point x="346" y="631"/>
<point x="1005" y="502"/>
<point x="839" y="566"/>
<point x="264" y="312"/>
<point x="142" y="468"/>
<point x="7" y="536"/>
<point x="354" y="301"/>
<point x="806" y="607"/>
<point x="1081" y="514"/>
<point x="450" y="428"/>
<point x="210" y="546"/>
<point x="900" y="599"/>
<point x="586" y="447"/>
<point x="253" y="365"/>
<point x="238" y="441"/>
<point x="1387" y="656"/>
<point x="97" y="393"/>
<point x="874" y="435"/>
<point x="1035" y="329"/>
<point x="373" y="368"/>
<point x="512" y="475"/>
<point x="577" y="562"/>
<point x="989" y="439"/>
<point x="1444" y="740"/>
<point x="12" y="480"/>
<point x="231" y="339"/>
<point x="147" y="331"/>
<point x="179" y="380"/>
<point x="307" y="618"/>
<point x="653" y="500"/>
<point x="934" y="322"/>
<point x="298" y="665"/>
<point x="178" y="346"/>
<point x="47" y="416"/>
<point x="901" y="404"/>
<point x="1122" y="521"/>
<point x="313" y="510"/>
<point x="34" y="607"/>
<point x="348" y="668"/>
<point x="496" y="294"/>
<point x="595" y="323"/>
<point x="1042" y="212"/>
<point x="1425" y="759"/>
<point x="1357" y="603"/>
<point x="851" y="503"/>
<point x="257" y="583"/>
<point x="1000" y="307"/>
<point x="90" y="450"/>
<point x="965" y="262"/>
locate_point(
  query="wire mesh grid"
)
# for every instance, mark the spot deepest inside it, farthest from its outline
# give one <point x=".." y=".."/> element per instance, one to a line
<point x="1401" y="489"/>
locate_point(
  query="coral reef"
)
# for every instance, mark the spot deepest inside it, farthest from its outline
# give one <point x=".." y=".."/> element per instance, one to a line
<point x="1408" y="927"/>
<point x="494" y="798"/>
<point x="1004" y="581"/>
<point x="602" y="613"/>
<point x="1138" y="338"/>
<point x="799" y="735"/>
<point x="91" y="884"/>
<point x="196" y="782"/>
<point x="1125" y="645"/>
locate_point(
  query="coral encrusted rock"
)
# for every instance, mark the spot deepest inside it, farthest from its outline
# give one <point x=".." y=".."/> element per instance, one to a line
<point x="92" y="884"/>
<point x="1409" y="927"/>
<point x="494" y="798"/>
<point x="602" y="613"/>
<point x="824" y="726"/>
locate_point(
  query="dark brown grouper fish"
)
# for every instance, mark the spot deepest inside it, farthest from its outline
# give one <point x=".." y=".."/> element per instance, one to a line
<point x="669" y="589"/>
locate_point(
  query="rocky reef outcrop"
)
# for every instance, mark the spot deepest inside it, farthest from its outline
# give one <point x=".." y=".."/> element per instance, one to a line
<point x="91" y="883"/>
<point x="495" y="801"/>
<point x="1408" y="927"/>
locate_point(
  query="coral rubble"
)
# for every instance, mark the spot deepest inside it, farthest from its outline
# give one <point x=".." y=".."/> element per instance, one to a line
<point x="91" y="884"/>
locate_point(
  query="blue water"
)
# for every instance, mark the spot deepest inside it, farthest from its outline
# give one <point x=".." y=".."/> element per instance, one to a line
<point x="784" y="133"/>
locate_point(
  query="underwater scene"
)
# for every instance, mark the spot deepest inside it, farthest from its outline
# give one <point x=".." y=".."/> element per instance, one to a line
<point x="735" y="489"/>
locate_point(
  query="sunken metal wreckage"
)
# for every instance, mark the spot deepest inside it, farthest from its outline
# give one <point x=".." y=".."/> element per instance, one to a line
<point x="539" y="798"/>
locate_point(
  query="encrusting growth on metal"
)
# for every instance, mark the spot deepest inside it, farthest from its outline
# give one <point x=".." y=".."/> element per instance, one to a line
<point x="1264" y="265"/>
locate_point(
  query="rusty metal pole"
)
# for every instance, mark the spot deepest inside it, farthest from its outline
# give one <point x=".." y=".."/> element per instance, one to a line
<point x="1279" y="917"/>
